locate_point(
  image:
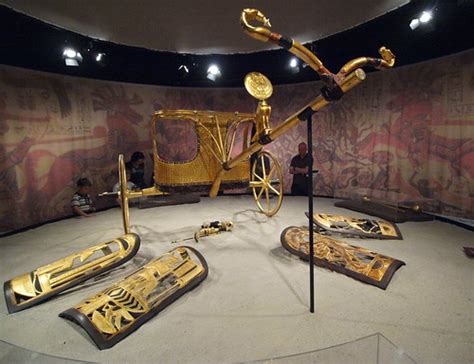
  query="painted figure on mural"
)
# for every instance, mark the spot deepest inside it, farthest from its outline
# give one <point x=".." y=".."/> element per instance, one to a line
<point x="120" y="117"/>
<point x="11" y="158"/>
<point x="54" y="140"/>
<point x="11" y="186"/>
<point x="424" y="131"/>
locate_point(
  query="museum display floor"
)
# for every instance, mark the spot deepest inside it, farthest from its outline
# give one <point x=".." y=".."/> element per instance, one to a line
<point x="254" y="303"/>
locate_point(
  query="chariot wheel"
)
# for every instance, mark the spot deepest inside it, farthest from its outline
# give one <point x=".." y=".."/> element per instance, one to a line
<point x="123" y="192"/>
<point x="266" y="182"/>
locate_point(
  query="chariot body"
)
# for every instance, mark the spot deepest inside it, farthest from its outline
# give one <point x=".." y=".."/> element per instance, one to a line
<point x="217" y="161"/>
<point x="214" y="138"/>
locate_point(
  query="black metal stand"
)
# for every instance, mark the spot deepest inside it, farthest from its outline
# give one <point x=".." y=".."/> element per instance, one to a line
<point x="307" y="116"/>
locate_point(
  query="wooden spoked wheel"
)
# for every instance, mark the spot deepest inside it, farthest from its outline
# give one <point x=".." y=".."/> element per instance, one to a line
<point x="266" y="182"/>
<point x="124" y="194"/>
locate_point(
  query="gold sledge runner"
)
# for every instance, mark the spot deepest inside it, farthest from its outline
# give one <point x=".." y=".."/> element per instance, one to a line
<point x="44" y="282"/>
<point x="116" y="312"/>
<point x="367" y="228"/>
<point x="353" y="261"/>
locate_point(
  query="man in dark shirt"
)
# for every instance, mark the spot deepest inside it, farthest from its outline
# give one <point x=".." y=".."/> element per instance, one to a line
<point x="299" y="168"/>
<point x="136" y="165"/>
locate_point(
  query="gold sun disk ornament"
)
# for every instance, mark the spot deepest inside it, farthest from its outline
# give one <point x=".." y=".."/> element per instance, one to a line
<point x="258" y="85"/>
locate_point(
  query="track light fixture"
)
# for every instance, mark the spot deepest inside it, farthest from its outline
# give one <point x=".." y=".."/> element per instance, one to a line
<point x="424" y="18"/>
<point x="213" y="72"/>
<point x="71" y="57"/>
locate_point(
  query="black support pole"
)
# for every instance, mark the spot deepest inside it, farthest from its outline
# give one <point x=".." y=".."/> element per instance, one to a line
<point x="307" y="115"/>
<point x="310" y="208"/>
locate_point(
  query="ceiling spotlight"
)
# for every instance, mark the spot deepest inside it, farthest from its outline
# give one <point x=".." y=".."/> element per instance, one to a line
<point x="101" y="59"/>
<point x="71" y="57"/>
<point x="69" y="53"/>
<point x="183" y="71"/>
<point x="414" y="24"/>
<point x="183" y="68"/>
<point x="213" y="72"/>
<point x="425" y="17"/>
<point x="294" y="65"/>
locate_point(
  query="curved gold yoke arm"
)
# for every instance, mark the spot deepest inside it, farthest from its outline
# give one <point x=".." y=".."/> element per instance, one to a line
<point x="264" y="34"/>
<point x="387" y="61"/>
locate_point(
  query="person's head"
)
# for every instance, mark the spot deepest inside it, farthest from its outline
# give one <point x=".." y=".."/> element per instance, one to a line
<point x="302" y="149"/>
<point x="83" y="185"/>
<point x="137" y="158"/>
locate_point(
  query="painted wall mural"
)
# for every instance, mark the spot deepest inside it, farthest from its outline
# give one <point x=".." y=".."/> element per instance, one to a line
<point x="405" y="134"/>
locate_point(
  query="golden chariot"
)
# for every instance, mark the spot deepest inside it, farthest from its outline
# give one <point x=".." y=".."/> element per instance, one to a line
<point x="215" y="166"/>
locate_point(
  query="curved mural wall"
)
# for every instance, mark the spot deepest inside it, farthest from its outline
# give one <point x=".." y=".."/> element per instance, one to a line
<point x="404" y="134"/>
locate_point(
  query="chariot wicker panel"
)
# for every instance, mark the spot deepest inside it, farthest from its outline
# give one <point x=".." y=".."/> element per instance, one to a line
<point x="215" y="135"/>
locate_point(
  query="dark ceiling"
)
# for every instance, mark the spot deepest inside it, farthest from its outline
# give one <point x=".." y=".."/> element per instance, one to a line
<point x="200" y="27"/>
<point x="30" y="43"/>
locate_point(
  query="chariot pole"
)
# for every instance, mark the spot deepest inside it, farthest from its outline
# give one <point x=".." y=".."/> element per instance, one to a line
<point x="352" y="80"/>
